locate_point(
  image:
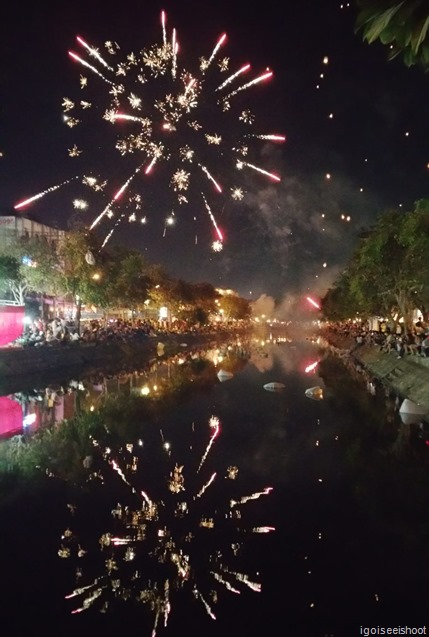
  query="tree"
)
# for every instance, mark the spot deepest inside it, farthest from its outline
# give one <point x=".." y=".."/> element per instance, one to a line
<point x="127" y="279"/>
<point x="389" y="270"/>
<point x="9" y="270"/>
<point x="339" y="302"/>
<point x="385" y="276"/>
<point x="76" y="270"/>
<point x="11" y="280"/>
<point x="178" y="296"/>
<point x="403" y="25"/>
<point x="40" y="267"/>
<point x="204" y="301"/>
<point x="37" y="271"/>
<point x="415" y="237"/>
<point x="235" y="307"/>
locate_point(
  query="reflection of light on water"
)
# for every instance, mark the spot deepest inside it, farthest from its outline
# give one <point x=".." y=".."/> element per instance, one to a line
<point x="254" y="496"/>
<point x="28" y="420"/>
<point x="154" y="380"/>
<point x="181" y="530"/>
<point x="311" y="367"/>
<point x="214" y="424"/>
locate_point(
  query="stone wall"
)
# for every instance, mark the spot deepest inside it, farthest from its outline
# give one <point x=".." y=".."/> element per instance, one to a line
<point x="407" y="376"/>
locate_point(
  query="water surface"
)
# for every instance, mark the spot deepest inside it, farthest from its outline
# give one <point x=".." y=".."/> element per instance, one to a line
<point x="235" y="510"/>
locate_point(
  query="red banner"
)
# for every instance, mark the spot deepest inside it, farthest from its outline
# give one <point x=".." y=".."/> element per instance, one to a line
<point x="11" y="323"/>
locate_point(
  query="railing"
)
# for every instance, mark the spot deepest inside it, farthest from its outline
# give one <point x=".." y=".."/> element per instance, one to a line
<point x="8" y="302"/>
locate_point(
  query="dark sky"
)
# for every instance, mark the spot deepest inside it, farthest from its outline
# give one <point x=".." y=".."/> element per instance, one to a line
<point x="358" y="118"/>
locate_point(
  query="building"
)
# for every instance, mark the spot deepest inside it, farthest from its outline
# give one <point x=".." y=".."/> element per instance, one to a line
<point x="14" y="227"/>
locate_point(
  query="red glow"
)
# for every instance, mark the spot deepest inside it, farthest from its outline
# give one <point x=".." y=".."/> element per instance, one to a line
<point x="311" y="367"/>
<point x="221" y="40"/>
<point x="312" y="302"/>
<point x="266" y="76"/>
<point x="120" y="191"/>
<point x="74" y="56"/>
<point x="151" y="165"/>
<point x="11" y="416"/>
<point x="21" y="204"/>
<point x="11" y="323"/>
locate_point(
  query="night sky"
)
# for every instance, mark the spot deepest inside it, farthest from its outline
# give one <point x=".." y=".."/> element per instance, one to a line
<point x="345" y="111"/>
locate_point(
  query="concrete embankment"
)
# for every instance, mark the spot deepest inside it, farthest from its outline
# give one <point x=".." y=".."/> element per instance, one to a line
<point x="23" y="368"/>
<point x="408" y="376"/>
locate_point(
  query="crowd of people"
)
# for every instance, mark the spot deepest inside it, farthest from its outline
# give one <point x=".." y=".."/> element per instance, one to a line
<point x="59" y="331"/>
<point x="388" y="339"/>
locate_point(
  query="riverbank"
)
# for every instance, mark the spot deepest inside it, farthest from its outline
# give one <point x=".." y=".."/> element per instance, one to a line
<point x="408" y="377"/>
<point x="19" y="367"/>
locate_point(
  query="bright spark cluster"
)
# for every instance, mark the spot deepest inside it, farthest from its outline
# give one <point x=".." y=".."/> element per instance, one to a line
<point x="193" y="121"/>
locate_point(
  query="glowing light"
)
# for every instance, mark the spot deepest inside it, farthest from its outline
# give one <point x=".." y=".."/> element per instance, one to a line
<point x="257" y="80"/>
<point x="89" y="66"/>
<point x="233" y="77"/>
<point x="311" y="367"/>
<point x="206" y="486"/>
<point x="260" y="170"/>
<point x="217" y="246"/>
<point x="186" y="103"/>
<point x="80" y="204"/>
<point x="253" y="496"/>
<point x="215" y="425"/>
<point x="213" y="220"/>
<point x="217" y="47"/>
<point x="271" y="138"/>
<point x="212" y="179"/>
<point x="41" y="194"/>
<point x="145" y="533"/>
<point x="94" y="53"/>
<point x="312" y="302"/>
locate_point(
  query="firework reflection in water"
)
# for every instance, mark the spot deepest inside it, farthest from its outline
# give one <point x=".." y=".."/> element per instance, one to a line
<point x="161" y="527"/>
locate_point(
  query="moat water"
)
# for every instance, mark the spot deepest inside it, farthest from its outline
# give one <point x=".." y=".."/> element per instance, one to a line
<point x="201" y="507"/>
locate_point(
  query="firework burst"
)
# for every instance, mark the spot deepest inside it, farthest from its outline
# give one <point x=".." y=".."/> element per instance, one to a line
<point x="167" y="527"/>
<point x="150" y="116"/>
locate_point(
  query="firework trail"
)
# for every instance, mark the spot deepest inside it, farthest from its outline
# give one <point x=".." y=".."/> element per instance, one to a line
<point x="313" y="302"/>
<point x="311" y="367"/>
<point x="181" y="134"/>
<point x="26" y="202"/>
